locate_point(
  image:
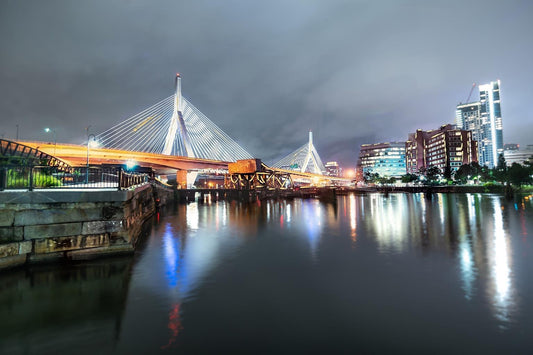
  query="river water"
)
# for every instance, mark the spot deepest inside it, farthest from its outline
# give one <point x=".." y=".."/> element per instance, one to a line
<point x="396" y="274"/>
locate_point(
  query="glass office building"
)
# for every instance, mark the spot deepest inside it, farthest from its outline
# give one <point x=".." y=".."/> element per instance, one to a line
<point x="484" y="119"/>
<point x="386" y="159"/>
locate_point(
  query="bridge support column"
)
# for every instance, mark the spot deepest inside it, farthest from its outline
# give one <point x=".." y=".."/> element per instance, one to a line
<point x="185" y="179"/>
<point x="181" y="179"/>
<point x="191" y="178"/>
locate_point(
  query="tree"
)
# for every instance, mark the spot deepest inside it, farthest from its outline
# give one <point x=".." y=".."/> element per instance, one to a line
<point x="447" y="173"/>
<point x="500" y="171"/>
<point x="519" y="175"/>
<point x="431" y="174"/>
<point x="468" y="171"/>
<point x="464" y="172"/>
<point x="371" y="177"/>
<point x="387" y="180"/>
<point x="407" y="178"/>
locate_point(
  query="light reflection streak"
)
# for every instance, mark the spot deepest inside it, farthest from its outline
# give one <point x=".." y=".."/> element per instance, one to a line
<point x="468" y="268"/>
<point x="353" y="217"/>
<point x="388" y="222"/>
<point x="217" y="218"/>
<point x="523" y="222"/>
<point x="171" y="256"/>
<point x="312" y="215"/>
<point x="188" y="260"/>
<point x="192" y="216"/>
<point x="441" y="210"/>
<point x="500" y="269"/>
<point x="471" y="209"/>
<point x="422" y="200"/>
<point x="174" y="325"/>
<point x="224" y="216"/>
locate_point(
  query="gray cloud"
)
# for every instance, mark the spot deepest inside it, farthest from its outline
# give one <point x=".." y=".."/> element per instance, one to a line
<point x="266" y="72"/>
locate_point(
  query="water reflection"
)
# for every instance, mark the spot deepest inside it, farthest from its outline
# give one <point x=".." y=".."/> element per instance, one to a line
<point x="47" y="310"/>
<point x="499" y="259"/>
<point x="312" y="215"/>
<point x="234" y="271"/>
<point x="191" y="253"/>
<point x="353" y="217"/>
<point x="387" y="221"/>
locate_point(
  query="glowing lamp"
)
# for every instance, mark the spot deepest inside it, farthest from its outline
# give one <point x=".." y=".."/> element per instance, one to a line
<point x="130" y="164"/>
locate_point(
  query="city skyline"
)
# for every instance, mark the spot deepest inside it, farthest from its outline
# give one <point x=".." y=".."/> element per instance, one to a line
<point x="352" y="72"/>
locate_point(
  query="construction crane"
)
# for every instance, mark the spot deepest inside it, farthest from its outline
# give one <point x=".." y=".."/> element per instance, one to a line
<point x="471" y="91"/>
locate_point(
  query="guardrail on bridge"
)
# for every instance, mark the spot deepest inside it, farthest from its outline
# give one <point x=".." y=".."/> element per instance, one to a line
<point x="54" y="177"/>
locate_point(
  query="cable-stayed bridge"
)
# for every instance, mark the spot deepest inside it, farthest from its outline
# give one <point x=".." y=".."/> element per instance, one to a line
<point x="174" y="127"/>
<point x="304" y="159"/>
<point x="173" y="135"/>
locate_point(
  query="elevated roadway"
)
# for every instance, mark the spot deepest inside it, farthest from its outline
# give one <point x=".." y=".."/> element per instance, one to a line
<point x="76" y="155"/>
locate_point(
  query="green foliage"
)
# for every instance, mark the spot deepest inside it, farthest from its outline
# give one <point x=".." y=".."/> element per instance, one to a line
<point x="447" y="173"/>
<point x="375" y="178"/>
<point x="371" y="177"/>
<point x="467" y="171"/>
<point x="15" y="161"/>
<point x="17" y="179"/>
<point x="431" y="175"/>
<point x="500" y="171"/>
<point x="20" y="178"/>
<point x="519" y="175"/>
<point x="385" y="180"/>
<point x="407" y="178"/>
<point x="492" y="187"/>
<point x="44" y="180"/>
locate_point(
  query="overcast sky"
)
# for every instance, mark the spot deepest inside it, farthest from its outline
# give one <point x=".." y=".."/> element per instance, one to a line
<point x="266" y="72"/>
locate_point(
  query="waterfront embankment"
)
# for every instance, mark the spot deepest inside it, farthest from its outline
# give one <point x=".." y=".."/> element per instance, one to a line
<point x="44" y="226"/>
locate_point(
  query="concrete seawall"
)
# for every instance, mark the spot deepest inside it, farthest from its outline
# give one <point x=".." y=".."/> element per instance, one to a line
<point x="42" y="226"/>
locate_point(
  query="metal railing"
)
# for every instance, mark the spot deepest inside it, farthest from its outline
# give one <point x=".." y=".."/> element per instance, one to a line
<point x="53" y="177"/>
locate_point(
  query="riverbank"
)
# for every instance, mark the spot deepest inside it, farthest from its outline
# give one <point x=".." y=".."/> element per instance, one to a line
<point x="51" y="226"/>
<point x="489" y="188"/>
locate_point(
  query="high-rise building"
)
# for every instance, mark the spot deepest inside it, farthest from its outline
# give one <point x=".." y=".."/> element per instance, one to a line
<point x="484" y="119"/>
<point x="386" y="159"/>
<point x="333" y="169"/>
<point x="446" y="147"/>
<point x="443" y="147"/>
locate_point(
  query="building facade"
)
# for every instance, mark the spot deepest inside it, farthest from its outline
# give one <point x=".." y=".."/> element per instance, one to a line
<point x="484" y="119"/>
<point x="333" y="169"/>
<point x="513" y="154"/>
<point x="446" y="147"/>
<point x="386" y="159"/>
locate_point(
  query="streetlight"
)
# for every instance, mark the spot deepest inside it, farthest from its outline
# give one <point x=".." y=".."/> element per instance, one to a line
<point x="48" y="130"/>
<point x="89" y="143"/>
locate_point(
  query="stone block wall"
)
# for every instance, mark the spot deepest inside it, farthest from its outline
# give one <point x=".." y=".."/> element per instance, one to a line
<point x="42" y="226"/>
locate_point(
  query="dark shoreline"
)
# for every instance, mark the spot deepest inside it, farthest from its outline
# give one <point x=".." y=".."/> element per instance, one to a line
<point x="430" y="189"/>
